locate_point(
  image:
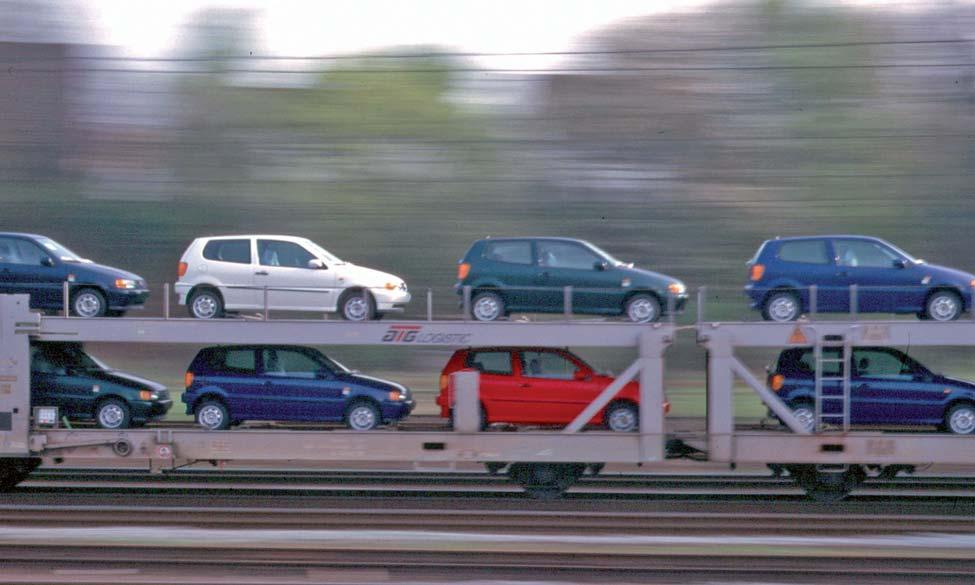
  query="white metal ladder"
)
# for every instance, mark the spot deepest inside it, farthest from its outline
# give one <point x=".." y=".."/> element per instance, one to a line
<point x="827" y="416"/>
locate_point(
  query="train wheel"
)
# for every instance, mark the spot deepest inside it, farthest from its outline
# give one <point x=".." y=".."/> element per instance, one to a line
<point x="828" y="484"/>
<point x="546" y="481"/>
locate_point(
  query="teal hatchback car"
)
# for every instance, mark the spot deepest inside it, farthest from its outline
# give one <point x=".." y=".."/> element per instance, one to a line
<point x="530" y="275"/>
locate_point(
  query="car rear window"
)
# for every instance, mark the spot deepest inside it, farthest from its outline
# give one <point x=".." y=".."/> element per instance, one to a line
<point x="802" y="362"/>
<point x="237" y="251"/>
<point x="490" y="362"/>
<point x="806" y="251"/>
<point x="511" y="252"/>
<point x="234" y="361"/>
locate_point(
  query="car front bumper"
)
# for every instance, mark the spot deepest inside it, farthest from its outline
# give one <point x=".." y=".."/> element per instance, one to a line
<point x="147" y="410"/>
<point x="127" y="299"/>
<point x="390" y="300"/>
<point x="397" y="410"/>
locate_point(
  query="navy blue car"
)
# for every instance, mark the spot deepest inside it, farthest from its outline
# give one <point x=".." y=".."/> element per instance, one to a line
<point x="226" y="385"/>
<point x="886" y="279"/>
<point x="887" y="387"/>
<point x="39" y="266"/>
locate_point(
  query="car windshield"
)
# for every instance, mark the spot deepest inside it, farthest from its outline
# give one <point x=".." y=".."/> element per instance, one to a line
<point x="604" y="255"/>
<point x="74" y="356"/>
<point x="906" y="256"/>
<point x="322" y="253"/>
<point x="56" y="249"/>
<point x="331" y="364"/>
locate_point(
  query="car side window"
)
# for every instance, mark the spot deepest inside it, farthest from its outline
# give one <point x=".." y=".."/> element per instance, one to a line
<point x="546" y="364"/>
<point x="278" y="253"/>
<point x="491" y="362"/>
<point x="236" y="251"/>
<point x="41" y="363"/>
<point x="510" y="252"/>
<point x="863" y="254"/>
<point x="566" y="255"/>
<point x="289" y="363"/>
<point x="831" y="368"/>
<point x="18" y="251"/>
<point x="237" y="361"/>
<point x="804" y="251"/>
<point x="881" y="364"/>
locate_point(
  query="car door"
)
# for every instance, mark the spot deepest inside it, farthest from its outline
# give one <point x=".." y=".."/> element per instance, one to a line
<point x="881" y="281"/>
<point x="810" y="262"/>
<point x="56" y="381"/>
<point x="299" y="387"/>
<point x="550" y="392"/>
<point x="235" y="371"/>
<point x="886" y="389"/>
<point x="562" y="264"/>
<point x="292" y="283"/>
<point x="26" y="269"/>
<point x="230" y="262"/>
<point x="499" y="389"/>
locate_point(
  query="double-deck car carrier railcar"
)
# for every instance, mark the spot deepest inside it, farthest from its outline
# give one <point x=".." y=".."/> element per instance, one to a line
<point x="827" y="464"/>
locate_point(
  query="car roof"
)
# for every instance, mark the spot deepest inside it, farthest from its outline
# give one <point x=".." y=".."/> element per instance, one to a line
<point x="263" y="236"/>
<point x="255" y="346"/>
<point x="824" y="237"/>
<point x="541" y="238"/>
<point x="513" y="348"/>
<point x="23" y="235"/>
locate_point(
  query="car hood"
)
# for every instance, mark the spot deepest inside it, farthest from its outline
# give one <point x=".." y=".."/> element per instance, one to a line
<point x="945" y="274"/>
<point x="643" y="276"/>
<point x="99" y="270"/>
<point x="122" y="379"/>
<point x="371" y="382"/>
<point x="362" y="276"/>
<point x="957" y="382"/>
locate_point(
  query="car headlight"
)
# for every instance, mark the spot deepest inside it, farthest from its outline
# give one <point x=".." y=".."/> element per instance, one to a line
<point x="124" y="283"/>
<point x="676" y="288"/>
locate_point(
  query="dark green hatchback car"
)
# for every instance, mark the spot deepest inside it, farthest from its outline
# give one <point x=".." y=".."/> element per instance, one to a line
<point x="530" y="275"/>
<point x="83" y="388"/>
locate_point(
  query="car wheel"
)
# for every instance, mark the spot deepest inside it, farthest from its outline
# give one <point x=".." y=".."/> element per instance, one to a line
<point x="781" y="306"/>
<point x="88" y="302"/>
<point x="213" y="415"/>
<point x="362" y="416"/>
<point x="960" y="419"/>
<point x="113" y="414"/>
<point x="357" y="306"/>
<point x="487" y="306"/>
<point x="622" y="417"/>
<point x="206" y="304"/>
<point x="642" y="308"/>
<point x="943" y="305"/>
<point x="805" y="413"/>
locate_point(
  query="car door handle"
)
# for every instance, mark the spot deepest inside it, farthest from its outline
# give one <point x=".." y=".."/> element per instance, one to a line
<point x="526" y="385"/>
<point x="261" y="273"/>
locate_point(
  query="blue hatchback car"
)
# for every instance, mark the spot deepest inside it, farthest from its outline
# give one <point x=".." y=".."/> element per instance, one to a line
<point x="226" y="385"/>
<point x="887" y="387"/>
<point x="887" y="279"/>
<point x="39" y="266"/>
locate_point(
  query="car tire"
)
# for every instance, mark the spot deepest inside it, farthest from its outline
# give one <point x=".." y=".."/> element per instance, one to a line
<point x="622" y="417"/>
<point x="212" y="415"/>
<point x="113" y="413"/>
<point x="362" y="416"/>
<point x="205" y="303"/>
<point x="487" y="306"/>
<point x="642" y="308"/>
<point x="805" y="412"/>
<point x="943" y="305"/>
<point x="88" y="303"/>
<point x="357" y="305"/>
<point x="960" y="419"/>
<point x="781" y="307"/>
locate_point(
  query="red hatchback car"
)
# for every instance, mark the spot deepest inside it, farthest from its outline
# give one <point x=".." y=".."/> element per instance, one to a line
<point x="539" y="386"/>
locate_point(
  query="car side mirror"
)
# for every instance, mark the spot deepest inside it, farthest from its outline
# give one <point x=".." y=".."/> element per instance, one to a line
<point x="600" y="265"/>
<point x="900" y="263"/>
<point x="580" y="375"/>
<point x="317" y="264"/>
<point x="47" y="261"/>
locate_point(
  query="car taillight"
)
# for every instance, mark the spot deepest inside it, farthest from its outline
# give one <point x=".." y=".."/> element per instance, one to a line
<point x="443" y="382"/>
<point x="666" y="407"/>
<point x="757" y="272"/>
<point x="181" y="270"/>
<point x="776" y="382"/>
<point x="188" y="379"/>
<point x="463" y="269"/>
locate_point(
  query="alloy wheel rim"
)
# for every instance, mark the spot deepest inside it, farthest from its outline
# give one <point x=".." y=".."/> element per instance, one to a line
<point x="622" y="420"/>
<point x="805" y="417"/>
<point x="782" y="308"/>
<point x="362" y="418"/>
<point x="486" y="309"/>
<point x="355" y="309"/>
<point x="204" y="306"/>
<point x="962" y="421"/>
<point x="110" y="416"/>
<point x="211" y="417"/>
<point x="87" y="304"/>
<point x="641" y="310"/>
<point x="944" y="308"/>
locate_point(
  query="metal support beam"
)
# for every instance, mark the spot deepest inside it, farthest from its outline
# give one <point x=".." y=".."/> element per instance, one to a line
<point x="604" y="397"/>
<point x="652" y="436"/>
<point x="720" y="401"/>
<point x="771" y="399"/>
<point x="467" y="401"/>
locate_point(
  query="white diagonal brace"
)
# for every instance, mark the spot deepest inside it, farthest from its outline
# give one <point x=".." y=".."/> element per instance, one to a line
<point x="770" y="398"/>
<point x="603" y="399"/>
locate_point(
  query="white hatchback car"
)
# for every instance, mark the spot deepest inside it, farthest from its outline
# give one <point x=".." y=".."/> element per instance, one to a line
<point x="232" y="273"/>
